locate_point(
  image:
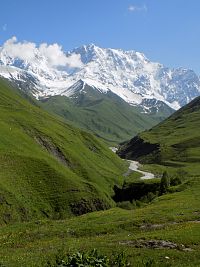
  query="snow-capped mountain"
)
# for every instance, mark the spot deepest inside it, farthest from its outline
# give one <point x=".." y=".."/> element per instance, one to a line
<point x="128" y="74"/>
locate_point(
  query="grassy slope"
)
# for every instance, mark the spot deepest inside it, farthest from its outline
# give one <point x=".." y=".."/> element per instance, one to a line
<point x="173" y="217"/>
<point x="179" y="135"/>
<point x="106" y="115"/>
<point x="47" y="165"/>
<point x="177" y="138"/>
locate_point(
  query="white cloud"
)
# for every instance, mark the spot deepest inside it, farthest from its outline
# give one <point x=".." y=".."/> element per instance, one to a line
<point x="53" y="53"/>
<point x="56" y="56"/>
<point x="24" y="51"/>
<point x="4" y="27"/>
<point x="74" y="61"/>
<point x="133" y="8"/>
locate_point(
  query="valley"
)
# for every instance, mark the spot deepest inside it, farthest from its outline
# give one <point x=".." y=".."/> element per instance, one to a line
<point x="33" y="232"/>
<point x="65" y="188"/>
<point x="112" y="93"/>
<point x="105" y="115"/>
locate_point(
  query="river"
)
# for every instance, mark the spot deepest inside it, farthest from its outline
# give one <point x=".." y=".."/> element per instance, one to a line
<point x="134" y="166"/>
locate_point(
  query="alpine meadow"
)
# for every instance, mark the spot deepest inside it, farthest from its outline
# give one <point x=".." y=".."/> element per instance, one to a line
<point x="99" y="133"/>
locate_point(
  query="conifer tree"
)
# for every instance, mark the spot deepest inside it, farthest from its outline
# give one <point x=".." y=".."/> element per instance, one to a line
<point x="165" y="183"/>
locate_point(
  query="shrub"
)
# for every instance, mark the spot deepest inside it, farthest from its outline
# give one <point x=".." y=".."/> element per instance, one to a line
<point x="182" y="174"/>
<point x="175" y="181"/>
<point x="89" y="259"/>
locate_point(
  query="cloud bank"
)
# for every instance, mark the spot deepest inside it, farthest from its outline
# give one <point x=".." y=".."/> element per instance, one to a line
<point x="53" y="53"/>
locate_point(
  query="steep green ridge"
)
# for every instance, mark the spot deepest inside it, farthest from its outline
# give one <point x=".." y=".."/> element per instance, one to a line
<point x="49" y="169"/>
<point x="106" y="115"/>
<point x="175" y="139"/>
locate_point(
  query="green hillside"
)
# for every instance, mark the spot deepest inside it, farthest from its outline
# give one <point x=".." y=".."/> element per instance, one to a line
<point x="175" y="139"/>
<point x="49" y="169"/>
<point x="48" y="166"/>
<point x="106" y="115"/>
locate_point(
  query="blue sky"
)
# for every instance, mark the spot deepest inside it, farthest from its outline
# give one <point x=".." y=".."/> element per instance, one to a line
<point x="167" y="31"/>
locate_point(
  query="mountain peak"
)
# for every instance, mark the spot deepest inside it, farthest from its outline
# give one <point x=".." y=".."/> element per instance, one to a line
<point x="91" y="46"/>
<point x="128" y="74"/>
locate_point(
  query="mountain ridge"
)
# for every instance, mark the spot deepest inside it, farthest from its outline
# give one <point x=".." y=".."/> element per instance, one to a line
<point x="106" y="115"/>
<point x="128" y="74"/>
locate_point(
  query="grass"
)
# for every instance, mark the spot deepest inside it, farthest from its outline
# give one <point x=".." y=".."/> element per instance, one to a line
<point x="32" y="244"/>
<point x="172" y="217"/>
